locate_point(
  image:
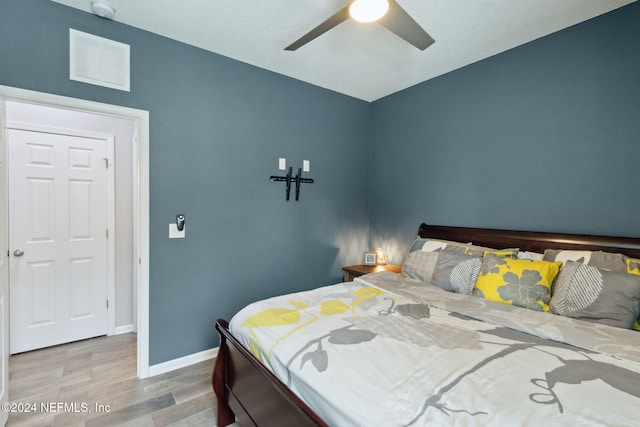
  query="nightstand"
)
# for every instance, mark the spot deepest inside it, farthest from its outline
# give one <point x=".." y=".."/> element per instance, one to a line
<point x="351" y="272"/>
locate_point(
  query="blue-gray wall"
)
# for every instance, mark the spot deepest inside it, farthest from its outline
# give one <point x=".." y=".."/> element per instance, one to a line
<point x="217" y="128"/>
<point x="542" y="137"/>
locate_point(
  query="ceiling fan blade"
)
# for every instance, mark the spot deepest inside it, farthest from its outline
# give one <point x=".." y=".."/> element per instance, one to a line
<point x="398" y="21"/>
<point x="337" y="18"/>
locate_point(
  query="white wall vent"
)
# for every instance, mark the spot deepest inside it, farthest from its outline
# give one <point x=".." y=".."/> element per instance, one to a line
<point x="98" y="61"/>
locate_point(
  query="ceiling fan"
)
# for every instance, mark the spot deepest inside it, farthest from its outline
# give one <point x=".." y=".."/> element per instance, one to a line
<point x="387" y="13"/>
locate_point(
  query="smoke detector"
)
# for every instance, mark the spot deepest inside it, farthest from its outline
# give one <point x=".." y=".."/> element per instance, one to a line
<point x="103" y="9"/>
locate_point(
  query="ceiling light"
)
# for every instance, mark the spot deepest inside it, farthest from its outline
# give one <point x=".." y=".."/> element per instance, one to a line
<point x="368" y="10"/>
<point x="103" y="9"/>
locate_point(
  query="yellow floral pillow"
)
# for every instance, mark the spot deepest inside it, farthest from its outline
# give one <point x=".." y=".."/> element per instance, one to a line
<point x="521" y="282"/>
<point x="633" y="267"/>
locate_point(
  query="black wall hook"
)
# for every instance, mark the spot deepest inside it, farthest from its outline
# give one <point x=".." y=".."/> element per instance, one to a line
<point x="299" y="180"/>
<point x="286" y="179"/>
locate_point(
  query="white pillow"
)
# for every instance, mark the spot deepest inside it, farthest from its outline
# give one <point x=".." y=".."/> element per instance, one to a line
<point x="535" y="256"/>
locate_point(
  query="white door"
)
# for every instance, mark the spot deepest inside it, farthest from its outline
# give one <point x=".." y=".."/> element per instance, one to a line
<point x="57" y="238"/>
<point x="4" y="273"/>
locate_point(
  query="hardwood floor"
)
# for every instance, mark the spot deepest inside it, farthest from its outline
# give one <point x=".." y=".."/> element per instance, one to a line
<point x="93" y="383"/>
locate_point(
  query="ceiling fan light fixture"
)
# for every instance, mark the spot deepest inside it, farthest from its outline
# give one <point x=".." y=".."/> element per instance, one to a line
<point x="368" y="10"/>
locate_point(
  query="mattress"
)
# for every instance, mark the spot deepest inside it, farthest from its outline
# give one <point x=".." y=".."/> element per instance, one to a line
<point x="393" y="351"/>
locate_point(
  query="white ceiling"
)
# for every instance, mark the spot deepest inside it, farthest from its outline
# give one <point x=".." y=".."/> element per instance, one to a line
<point x="365" y="61"/>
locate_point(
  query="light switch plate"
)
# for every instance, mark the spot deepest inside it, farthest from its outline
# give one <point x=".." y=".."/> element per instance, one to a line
<point x="174" y="233"/>
<point x="282" y="163"/>
<point x="306" y="166"/>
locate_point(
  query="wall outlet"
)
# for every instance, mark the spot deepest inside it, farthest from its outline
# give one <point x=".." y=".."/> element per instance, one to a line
<point x="306" y="166"/>
<point x="174" y="233"/>
<point x="282" y="163"/>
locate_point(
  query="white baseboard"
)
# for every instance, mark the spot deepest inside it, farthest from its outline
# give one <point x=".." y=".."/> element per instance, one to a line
<point x="181" y="362"/>
<point x="125" y="329"/>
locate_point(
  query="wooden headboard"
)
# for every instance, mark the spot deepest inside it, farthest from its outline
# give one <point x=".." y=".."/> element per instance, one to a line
<point x="532" y="241"/>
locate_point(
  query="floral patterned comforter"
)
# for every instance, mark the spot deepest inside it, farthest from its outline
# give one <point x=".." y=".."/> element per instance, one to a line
<point x="391" y="351"/>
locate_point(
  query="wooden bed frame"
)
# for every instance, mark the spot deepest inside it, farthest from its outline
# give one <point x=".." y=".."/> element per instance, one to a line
<point x="249" y="393"/>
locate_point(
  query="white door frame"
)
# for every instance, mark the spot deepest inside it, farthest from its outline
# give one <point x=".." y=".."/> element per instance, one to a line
<point x="4" y="274"/>
<point x="140" y="197"/>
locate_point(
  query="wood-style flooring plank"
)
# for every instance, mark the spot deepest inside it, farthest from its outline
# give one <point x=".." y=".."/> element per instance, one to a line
<point x="96" y="380"/>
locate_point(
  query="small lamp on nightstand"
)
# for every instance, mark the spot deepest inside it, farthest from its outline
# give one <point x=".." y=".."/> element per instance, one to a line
<point x="381" y="256"/>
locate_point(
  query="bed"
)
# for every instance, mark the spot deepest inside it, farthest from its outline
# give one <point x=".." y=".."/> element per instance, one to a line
<point x="394" y="349"/>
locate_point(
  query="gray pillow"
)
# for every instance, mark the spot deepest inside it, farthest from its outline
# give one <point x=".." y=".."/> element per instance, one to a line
<point x="606" y="260"/>
<point x="434" y="245"/>
<point x="420" y="265"/>
<point x="456" y="272"/>
<point x="596" y="295"/>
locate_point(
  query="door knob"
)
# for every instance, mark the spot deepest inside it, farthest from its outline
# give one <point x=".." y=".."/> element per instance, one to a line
<point x="18" y="253"/>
